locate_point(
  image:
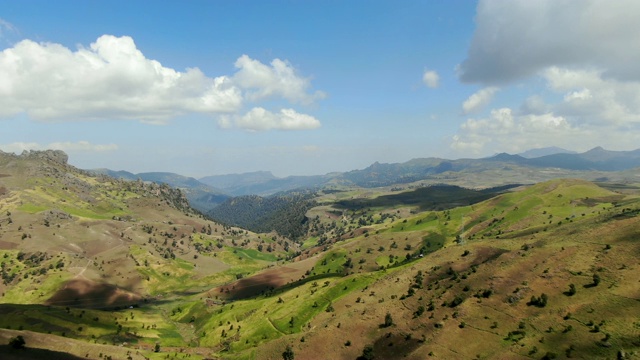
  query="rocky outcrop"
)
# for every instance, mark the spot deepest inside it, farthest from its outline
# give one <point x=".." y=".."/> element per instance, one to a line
<point x="57" y="156"/>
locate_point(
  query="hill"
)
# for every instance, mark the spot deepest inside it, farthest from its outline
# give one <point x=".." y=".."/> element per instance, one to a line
<point x="526" y="274"/>
<point x="201" y="196"/>
<point x="96" y="267"/>
<point x="70" y="239"/>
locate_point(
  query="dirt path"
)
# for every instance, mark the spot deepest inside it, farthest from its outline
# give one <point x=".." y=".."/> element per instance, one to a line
<point x="80" y="274"/>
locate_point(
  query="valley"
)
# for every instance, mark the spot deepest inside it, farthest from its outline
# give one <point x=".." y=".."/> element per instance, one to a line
<point x="478" y="267"/>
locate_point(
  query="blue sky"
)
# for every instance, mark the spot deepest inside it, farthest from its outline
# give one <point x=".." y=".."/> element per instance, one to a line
<point x="309" y="87"/>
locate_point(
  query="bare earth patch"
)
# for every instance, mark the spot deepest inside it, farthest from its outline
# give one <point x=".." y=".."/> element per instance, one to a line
<point x="90" y="294"/>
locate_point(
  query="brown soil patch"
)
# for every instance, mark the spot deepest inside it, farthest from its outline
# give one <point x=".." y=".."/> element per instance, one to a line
<point x="486" y="254"/>
<point x="5" y="245"/>
<point x="90" y="294"/>
<point x="265" y="281"/>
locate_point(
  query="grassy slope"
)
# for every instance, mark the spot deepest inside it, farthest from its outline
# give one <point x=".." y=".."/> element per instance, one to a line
<point x="112" y="243"/>
<point x="515" y="249"/>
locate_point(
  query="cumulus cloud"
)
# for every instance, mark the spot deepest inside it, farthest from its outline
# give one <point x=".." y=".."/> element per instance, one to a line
<point x="80" y="146"/>
<point x="534" y="104"/>
<point x="586" y="55"/>
<point x="588" y="111"/>
<point x="517" y="39"/>
<point x="431" y="79"/>
<point x="279" y="79"/>
<point x="259" y="119"/>
<point x="112" y="79"/>
<point x="504" y="131"/>
<point x="592" y="98"/>
<point x="478" y="100"/>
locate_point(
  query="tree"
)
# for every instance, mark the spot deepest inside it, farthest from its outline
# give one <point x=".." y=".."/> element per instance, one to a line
<point x="288" y="353"/>
<point x="367" y="353"/>
<point x="596" y="279"/>
<point x="538" y="301"/>
<point x="157" y="348"/>
<point x="571" y="291"/>
<point x="388" y="320"/>
<point x="17" y="342"/>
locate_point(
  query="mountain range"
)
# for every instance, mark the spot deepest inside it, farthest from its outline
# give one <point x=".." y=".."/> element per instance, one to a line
<point x="208" y="192"/>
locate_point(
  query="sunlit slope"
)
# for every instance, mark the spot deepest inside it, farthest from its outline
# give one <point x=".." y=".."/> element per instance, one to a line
<point x="468" y="297"/>
<point x="538" y="207"/>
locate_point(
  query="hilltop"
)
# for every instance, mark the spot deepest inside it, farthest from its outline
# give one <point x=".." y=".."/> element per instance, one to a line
<point x="124" y="268"/>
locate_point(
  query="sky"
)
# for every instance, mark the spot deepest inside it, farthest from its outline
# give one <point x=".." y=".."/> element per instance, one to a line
<point x="205" y="88"/>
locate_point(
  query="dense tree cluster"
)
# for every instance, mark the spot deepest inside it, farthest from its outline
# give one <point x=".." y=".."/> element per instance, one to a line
<point x="283" y="213"/>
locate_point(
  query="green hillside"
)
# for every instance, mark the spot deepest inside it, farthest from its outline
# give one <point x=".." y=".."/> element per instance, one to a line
<point x="95" y="267"/>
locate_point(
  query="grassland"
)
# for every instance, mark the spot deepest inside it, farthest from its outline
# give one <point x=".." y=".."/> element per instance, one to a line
<point x="96" y="268"/>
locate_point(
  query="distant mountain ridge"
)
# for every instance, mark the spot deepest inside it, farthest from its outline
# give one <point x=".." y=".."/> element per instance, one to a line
<point x="210" y="191"/>
<point x="595" y="159"/>
<point x="534" y="153"/>
<point x="232" y="181"/>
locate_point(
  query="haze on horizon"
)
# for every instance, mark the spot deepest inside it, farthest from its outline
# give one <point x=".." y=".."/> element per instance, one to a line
<point x="306" y="88"/>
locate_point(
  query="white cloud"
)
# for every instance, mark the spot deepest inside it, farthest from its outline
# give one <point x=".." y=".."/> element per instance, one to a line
<point x="112" y="79"/>
<point x="80" y="146"/>
<point x="478" y="100"/>
<point x="18" y="147"/>
<point x="586" y="54"/>
<point x="534" y="104"/>
<point x="431" y="79"/>
<point x="591" y="98"/>
<point x="259" y="119"/>
<point x="583" y="94"/>
<point x="505" y="131"/>
<point x="516" y="39"/>
<point x="83" y="146"/>
<point x="280" y="79"/>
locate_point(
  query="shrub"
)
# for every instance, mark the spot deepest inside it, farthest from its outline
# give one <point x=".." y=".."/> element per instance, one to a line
<point x="538" y="301"/>
<point x="388" y="320"/>
<point x="367" y="353"/>
<point x="571" y="291"/>
<point x="17" y="342"/>
<point x="456" y="301"/>
<point x="288" y="353"/>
